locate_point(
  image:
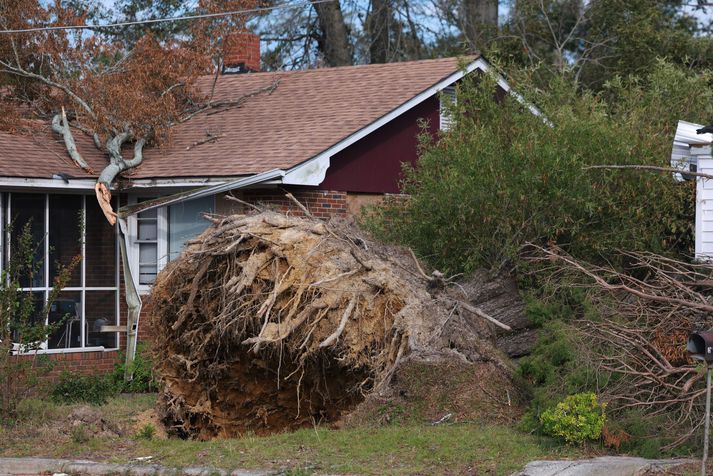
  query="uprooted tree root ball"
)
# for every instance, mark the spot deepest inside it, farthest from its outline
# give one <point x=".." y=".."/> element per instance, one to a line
<point x="270" y="322"/>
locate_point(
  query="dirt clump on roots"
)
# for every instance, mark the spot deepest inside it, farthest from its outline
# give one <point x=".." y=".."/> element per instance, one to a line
<point x="269" y="322"/>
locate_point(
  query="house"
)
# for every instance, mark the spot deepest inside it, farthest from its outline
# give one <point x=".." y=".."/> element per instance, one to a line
<point x="692" y="154"/>
<point x="335" y="138"/>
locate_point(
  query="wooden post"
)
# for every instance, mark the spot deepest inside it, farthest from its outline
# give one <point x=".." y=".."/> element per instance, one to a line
<point x="707" y="423"/>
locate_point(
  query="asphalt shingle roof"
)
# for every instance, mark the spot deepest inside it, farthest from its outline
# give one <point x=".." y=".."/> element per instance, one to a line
<point x="304" y="114"/>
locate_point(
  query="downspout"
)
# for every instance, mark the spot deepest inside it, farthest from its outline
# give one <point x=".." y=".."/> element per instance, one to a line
<point x="133" y="302"/>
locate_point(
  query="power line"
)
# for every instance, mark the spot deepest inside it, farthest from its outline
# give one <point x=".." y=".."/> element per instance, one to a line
<point x="169" y="19"/>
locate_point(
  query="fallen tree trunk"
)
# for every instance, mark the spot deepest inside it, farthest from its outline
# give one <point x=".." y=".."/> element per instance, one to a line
<point x="269" y="322"/>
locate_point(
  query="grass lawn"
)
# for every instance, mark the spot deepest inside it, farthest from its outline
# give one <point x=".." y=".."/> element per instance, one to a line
<point x="45" y="429"/>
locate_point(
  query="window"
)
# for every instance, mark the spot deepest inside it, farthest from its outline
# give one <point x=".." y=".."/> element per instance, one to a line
<point x="447" y="100"/>
<point x="186" y="221"/>
<point x="159" y="235"/>
<point x="63" y="227"/>
<point x="147" y="240"/>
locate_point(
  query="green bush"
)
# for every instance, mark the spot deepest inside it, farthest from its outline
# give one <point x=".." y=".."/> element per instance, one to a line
<point x="142" y="369"/>
<point x="36" y="410"/>
<point x="80" y="434"/>
<point x="75" y="388"/>
<point x="502" y="177"/>
<point x="578" y="418"/>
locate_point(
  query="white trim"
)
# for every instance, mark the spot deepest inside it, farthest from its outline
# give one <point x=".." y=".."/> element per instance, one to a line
<point x="68" y="350"/>
<point x="132" y="248"/>
<point x="703" y="209"/>
<point x="162" y="235"/>
<point x="89" y="183"/>
<point x="51" y="184"/>
<point x="117" y="281"/>
<point x="83" y="275"/>
<point x="6" y="229"/>
<point x="486" y="68"/>
<point x="446" y="100"/>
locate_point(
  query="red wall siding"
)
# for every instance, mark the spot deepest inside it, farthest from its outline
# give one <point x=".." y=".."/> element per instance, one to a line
<point x="373" y="164"/>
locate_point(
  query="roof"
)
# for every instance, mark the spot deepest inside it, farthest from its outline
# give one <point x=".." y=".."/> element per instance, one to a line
<point x="288" y="118"/>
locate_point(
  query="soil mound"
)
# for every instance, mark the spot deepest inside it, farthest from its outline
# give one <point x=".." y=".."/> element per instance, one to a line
<point x="270" y="322"/>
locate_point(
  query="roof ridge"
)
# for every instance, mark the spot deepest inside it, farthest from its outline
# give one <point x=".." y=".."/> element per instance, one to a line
<point x="466" y="58"/>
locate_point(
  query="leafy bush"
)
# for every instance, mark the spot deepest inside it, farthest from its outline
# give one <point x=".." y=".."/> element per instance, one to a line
<point x="75" y="388"/>
<point x="502" y="177"/>
<point x="578" y="418"/>
<point x="142" y="369"/>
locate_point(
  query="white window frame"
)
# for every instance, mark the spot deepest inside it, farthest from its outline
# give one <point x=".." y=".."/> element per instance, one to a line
<point x="444" y="113"/>
<point x="5" y="221"/>
<point x="162" y="239"/>
<point x="133" y="248"/>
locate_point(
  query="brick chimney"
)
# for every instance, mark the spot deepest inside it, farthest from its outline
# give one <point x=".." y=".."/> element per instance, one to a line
<point x="241" y="53"/>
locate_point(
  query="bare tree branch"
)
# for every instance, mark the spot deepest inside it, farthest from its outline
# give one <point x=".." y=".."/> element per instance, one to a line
<point x="61" y="126"/>
<point x="649" y="167"/>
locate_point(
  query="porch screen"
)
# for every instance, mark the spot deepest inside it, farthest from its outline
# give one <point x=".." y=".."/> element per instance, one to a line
<point x="63" y="227"/>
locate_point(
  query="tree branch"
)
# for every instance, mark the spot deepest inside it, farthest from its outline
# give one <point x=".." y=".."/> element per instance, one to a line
<point x="649" y="167"/>
<point x="61" y="126"/>
<point x="19" y="71"/>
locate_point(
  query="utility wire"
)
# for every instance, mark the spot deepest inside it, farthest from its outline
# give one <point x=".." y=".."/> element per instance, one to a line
<point x="170" y="19"/>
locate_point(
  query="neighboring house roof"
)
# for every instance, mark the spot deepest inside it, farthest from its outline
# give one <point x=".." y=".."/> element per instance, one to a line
<point x="305" y="114"/>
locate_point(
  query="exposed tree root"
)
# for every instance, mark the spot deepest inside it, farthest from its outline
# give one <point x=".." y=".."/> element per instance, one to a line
<point x="269" y="322"/>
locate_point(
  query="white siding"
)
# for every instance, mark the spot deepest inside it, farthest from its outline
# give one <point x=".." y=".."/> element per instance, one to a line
<point x="704" y="207"/>
<point x="448" y="98"/>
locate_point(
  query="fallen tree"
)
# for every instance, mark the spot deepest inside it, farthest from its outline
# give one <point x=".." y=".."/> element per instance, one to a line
<point x="270" y="322"/>
<point x="635" y="343"/>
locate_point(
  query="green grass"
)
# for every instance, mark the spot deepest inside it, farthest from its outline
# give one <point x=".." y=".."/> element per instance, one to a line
<point x="410" y="448"/>
<point x="394" y="450"/>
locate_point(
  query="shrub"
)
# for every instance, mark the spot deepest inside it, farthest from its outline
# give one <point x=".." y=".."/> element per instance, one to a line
<point x="580" y="417"/>
<point x="80" y="434"/>
<point x="75" y="388"/>
<point x="502" y="177"/>
<point x="141" y="368"/>
<point x="36" y="410"/>
<point x="146" y="432"/>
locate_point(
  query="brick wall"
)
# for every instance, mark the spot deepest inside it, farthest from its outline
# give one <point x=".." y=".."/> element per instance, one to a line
<point x="84" y="363"/>
<point x="242" y="49"/>
<point x="320" y="203"/>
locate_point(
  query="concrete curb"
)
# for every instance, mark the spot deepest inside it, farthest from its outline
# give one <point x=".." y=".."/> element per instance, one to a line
<point x="602" y="466"/>
<point x="36" y="466"/>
